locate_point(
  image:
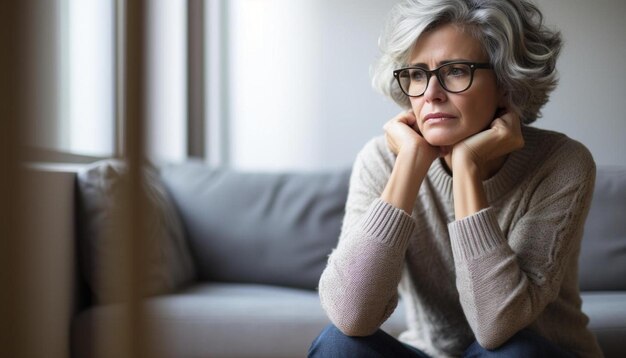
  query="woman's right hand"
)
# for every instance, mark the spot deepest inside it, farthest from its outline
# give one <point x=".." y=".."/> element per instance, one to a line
<point x="402" y="133"/>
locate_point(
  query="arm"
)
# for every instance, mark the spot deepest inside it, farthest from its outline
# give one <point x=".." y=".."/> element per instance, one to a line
<point x="505" y="283"/>
<point x="475" y="157"/>
<point x="504" y="287"/>
<point x="414" y="157"/>
<point x="358" y="288"/>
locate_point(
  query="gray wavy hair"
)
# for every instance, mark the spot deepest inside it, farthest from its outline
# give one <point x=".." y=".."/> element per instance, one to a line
<point x="522" y="50"/>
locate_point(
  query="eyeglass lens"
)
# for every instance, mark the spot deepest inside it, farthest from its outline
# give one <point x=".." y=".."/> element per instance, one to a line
<point x="453" y="78"/>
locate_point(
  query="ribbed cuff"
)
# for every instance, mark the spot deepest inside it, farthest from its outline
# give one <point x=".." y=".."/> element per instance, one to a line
<point x="475" y="235"/>
<point x="388" y="224"/>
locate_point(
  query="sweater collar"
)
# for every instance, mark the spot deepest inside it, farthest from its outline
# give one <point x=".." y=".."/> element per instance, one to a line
<point x="503" y="181"/>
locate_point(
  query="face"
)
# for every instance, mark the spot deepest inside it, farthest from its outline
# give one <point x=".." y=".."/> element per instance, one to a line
<point x="445" y="118"/>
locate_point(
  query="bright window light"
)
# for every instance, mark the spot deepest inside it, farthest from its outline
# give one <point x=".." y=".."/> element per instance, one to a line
<point x="88" y="77"/>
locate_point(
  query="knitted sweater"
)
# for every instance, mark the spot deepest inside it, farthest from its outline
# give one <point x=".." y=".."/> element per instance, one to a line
<point x="510" y="266"/>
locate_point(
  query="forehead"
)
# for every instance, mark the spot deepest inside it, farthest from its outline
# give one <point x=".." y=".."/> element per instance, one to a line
<point x="447" y="42"/>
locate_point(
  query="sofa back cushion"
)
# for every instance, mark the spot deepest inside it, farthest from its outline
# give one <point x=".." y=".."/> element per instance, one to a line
<point x="265" y="228"/>
<point x="170" y="265"/>
<point x="603" y="252"/>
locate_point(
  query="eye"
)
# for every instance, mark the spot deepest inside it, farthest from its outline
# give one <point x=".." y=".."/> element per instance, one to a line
<point x="418" y="75"/>
<point x="456" y="70"/>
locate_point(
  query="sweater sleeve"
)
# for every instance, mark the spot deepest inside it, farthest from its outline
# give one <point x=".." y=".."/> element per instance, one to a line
<point x="505" y="283"/>
<point x="358" y="288"/>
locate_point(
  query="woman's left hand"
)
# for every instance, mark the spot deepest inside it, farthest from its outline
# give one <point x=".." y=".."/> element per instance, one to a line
<point x="503" y="137"/>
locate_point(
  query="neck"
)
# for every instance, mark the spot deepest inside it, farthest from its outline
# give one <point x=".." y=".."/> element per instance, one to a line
<point x="489" y="169"/>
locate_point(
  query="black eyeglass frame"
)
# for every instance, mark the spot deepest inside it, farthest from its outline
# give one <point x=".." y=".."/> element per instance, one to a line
<point x="473" y="67"/>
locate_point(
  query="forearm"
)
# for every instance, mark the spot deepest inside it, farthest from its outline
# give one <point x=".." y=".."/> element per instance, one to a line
<point x="468" y="191"/>
<point x="496" y="295"/>
<point x="409" y="171"/>
<point x="506" y="281"/>
<point x="358" y="288"/>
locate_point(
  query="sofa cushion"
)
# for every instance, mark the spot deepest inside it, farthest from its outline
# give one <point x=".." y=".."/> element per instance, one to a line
<point x="603" y="252"/>
<point x="259" y="227"/>
<point x="607" y="320"/>
<point x="218" y="320"/>
<point x="169" y="262"/>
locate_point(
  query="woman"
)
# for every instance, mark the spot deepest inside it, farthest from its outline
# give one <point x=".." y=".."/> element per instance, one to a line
<point x="474" y="218"/>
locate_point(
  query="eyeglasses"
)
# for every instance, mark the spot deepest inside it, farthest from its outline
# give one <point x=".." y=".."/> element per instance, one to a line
<point x="454" y="77"/>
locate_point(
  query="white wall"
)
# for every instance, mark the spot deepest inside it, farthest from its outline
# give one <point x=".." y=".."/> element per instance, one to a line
<point x="588" y="105"/>
<point x="300" y="94"/>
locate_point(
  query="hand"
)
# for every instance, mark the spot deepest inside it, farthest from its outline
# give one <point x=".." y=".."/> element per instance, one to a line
<point x="401" y="132"/>
<point x="479" y="156"/>
<point x="503" y="137"/>
<point x="414" y="156"/>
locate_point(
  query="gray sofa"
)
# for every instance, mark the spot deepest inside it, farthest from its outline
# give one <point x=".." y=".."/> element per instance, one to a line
<point x="258" y="243"/>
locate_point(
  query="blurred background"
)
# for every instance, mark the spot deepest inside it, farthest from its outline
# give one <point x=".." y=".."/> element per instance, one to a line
<point x="278" y="84"/>
<point x="259" y="85"/>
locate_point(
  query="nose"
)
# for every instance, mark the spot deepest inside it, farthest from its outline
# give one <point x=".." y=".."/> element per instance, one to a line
<point x="434" y="90"/>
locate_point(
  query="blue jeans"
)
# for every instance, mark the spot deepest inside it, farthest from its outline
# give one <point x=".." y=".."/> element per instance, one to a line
<point x="332" y="343"/>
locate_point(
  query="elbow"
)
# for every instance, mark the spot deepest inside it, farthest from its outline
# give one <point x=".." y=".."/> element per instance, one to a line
<point x="490" y="341"/>
<point x="354" y="326"/>
<point x="493" y="336"/>
<point x="348" y="319"/>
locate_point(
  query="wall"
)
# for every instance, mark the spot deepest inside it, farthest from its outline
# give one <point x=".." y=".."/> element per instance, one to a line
<point x="300" y="93"/>
<point x="588" y="104"/>
<point x="40" y="41"/>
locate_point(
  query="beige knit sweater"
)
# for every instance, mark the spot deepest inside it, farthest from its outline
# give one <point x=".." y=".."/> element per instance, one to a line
<point x="507" y="267"/>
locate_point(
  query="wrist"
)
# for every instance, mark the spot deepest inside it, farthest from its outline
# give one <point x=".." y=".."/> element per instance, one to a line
<point x="466" y="166"/>
<point x="469" y="195"/>
<point x="406" y="177"/>
<point x="422" y="154"/>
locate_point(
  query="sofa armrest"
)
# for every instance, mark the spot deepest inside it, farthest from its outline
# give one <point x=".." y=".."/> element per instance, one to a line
<point x="48" y="285"/>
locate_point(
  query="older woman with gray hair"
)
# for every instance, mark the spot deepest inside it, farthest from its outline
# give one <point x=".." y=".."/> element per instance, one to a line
<point x="470" y="215"/>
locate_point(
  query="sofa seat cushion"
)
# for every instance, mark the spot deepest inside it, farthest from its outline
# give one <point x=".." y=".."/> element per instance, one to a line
<point x="607" y="320"/>
<point x="219" y="320"/>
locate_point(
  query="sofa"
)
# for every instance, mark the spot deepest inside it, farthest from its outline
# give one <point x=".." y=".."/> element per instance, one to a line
<point x="249" y="250"/>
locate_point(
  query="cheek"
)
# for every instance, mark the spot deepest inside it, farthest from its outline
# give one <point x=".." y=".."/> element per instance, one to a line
<point x="479" y="114"/>
<point x="416" y="106"/>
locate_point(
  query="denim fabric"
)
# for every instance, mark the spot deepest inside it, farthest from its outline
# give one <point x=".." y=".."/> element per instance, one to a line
<point x="525" y="343"/>
<point x="332" y="343"/>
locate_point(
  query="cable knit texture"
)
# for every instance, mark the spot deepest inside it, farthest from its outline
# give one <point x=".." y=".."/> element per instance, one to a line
<point x="485" y="277"/>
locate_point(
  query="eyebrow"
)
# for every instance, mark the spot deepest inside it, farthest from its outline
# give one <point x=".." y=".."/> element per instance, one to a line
<point x="440" y="63"/>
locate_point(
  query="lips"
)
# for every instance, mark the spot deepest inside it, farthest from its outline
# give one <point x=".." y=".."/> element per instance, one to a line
<point x="437" y="117"/>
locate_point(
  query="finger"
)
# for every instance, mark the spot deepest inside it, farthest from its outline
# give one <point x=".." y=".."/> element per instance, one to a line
<point x="391" y="143"/>
<point x="510" y="117"/>
<point x="411" y="119"/>
<point x="498" y="122"/>
<point x="407" y="117"/>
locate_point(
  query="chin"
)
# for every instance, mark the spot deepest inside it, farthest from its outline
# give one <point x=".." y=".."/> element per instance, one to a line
<point x="439" y="140"/>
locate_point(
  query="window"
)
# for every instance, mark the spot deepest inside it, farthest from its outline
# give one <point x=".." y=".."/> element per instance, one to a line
<point x="77" y="112"/>
<point x="87" y="78"/>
